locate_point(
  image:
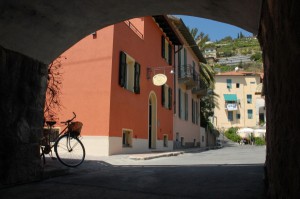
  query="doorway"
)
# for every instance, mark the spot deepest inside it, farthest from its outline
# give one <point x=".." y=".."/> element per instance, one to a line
<point x="152" y="121"/>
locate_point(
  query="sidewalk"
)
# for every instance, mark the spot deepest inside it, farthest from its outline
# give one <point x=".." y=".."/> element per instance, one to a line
<point x="53" y="168"/>
<point x="148" y="156"/>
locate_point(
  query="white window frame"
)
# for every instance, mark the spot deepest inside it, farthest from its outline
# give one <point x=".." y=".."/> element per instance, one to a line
<point x="127" y="141"/>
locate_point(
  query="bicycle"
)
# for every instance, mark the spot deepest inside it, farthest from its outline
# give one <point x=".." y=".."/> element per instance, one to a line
<point x="68" y="148"/>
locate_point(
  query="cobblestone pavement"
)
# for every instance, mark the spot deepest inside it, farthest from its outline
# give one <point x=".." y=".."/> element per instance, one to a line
<point x="230" y="172"/>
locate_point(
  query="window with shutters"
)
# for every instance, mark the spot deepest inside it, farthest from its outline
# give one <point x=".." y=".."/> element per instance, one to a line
<point x="195" y="112"/>
<point x="249" y="99"/>
<point x="165" y="140"/>
<point x="166" y="96"/>
<point x="166" y="50"/>
<point x="179" y="103"/>
<point x="186" y="106"/>
<point x="182" y="105"/>
<point x="230" y="116"/>
<point x="229" y="83"/>
<point x="129" y="73"/>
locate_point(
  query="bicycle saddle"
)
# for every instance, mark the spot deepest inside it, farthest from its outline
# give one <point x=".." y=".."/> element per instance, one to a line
<point x="50" y="123"/>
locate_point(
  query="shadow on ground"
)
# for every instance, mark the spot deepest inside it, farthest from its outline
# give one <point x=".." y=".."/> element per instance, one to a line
<point x="98" y="179"/>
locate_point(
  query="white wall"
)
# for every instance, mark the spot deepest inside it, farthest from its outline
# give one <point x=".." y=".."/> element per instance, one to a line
<point x="96" y="146"/>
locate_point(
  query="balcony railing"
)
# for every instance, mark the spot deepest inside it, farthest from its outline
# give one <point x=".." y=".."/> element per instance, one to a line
<point x="132" y="27"/>
<point x="188" y="76"/>
<point x="201" y="89"/>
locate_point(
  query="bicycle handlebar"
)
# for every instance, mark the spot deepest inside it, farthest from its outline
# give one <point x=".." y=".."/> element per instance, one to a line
<point x="70" y="120"/>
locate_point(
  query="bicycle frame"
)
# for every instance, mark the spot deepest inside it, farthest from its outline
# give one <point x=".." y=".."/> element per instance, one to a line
<point x="47" y="147"/>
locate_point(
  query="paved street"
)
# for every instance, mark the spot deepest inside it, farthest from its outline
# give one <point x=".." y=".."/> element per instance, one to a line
<point x="230" y="172"/>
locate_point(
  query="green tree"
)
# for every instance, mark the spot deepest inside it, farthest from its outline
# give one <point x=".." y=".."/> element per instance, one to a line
<point x="208" y="102"/>
<point x="256" y="56"/>
<point x="200" y="38"/>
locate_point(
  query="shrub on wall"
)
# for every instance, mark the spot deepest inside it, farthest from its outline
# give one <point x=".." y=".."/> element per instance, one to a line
<point x="260" y="141"/>
<point x="231" y="134"/>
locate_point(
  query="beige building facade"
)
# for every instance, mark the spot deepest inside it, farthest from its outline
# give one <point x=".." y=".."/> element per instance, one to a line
<point x="187" y="90"/>
<point x="239" y="104"/>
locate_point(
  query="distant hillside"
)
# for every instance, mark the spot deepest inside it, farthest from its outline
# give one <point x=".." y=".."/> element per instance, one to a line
<point x="244" y="52"/>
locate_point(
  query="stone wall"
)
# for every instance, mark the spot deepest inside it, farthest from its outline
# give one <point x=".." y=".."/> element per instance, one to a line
<point x="22" y="94"/>
<point x="280" y="39"/>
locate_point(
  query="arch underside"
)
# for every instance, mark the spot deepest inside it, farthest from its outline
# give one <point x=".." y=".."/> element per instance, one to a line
<point x="44" y="30"/>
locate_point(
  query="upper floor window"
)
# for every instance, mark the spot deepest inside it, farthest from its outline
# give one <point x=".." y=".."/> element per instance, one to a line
<point x="184" y="57"/>
<point x="237" y="85"/>
<point x="195" y="111"/>
<point x="166" y="50"/>
<point x="186" y="106"/>
<point x="249" y="99"/>
<point x="129" y="73"/>
<point x="229" y="83"/>
<point x="166" y="96"/>
<point x="182" y="104"/>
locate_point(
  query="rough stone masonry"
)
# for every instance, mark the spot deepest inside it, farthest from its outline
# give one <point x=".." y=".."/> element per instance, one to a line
<point x="22" y="94"/>
<point x="280" y="40"/>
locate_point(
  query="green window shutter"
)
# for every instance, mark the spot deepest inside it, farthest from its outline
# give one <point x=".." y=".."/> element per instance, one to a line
<point x="229" y="83"/>
<point x="185" y="62"/>
<point x="184" y="57"/>
<point x="170" y="98"/>
<point x="179" y="63"/>
<point x="137" y="72"/>
<point x="179" y="103"/>
<point x="170" y="54"/>
<point x="122" y="69"/>
<point x="186" y="108"/>
<point x="197" y="112"/>
<point x="163" y="46"/>
<point x="193" y="112"/>
<point x="163" y="95"/>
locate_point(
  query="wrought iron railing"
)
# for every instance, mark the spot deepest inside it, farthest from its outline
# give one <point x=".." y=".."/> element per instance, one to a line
<point x="132" y="27"/>
<point x="200" y="88"/>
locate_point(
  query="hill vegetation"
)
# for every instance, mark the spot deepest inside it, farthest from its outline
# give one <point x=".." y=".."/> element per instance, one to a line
<point x="241" y="46"/>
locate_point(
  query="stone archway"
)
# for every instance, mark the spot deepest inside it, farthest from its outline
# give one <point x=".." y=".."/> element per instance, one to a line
<point x="34" y="33"/>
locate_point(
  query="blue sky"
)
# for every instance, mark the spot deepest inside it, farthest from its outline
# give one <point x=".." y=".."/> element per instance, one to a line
<point x="215" y="30"/>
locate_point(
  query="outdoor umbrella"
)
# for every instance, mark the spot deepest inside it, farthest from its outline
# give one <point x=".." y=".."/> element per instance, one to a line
<point x="245" y="132"/>
<point x="259" y="132"/>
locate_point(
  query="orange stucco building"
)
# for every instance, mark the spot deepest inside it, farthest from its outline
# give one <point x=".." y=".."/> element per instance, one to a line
<point x="107" y="82"/>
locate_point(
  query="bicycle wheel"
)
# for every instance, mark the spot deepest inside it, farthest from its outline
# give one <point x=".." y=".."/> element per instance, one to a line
<point x="69" y="151"/>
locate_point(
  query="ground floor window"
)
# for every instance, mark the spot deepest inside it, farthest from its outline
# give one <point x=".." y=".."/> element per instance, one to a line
<point x="127" y="138"/>
<point x="182" y="141"/>
<point x="165" y="140"/>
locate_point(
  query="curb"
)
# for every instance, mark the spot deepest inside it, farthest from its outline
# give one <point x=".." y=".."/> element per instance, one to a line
<point x="152" y="156"/>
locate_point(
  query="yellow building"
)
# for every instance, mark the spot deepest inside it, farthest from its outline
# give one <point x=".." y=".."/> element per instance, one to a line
<point x="239" y="104"/>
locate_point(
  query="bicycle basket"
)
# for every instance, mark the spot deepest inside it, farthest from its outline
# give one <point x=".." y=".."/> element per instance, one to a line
<point x="75" y="128"/>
